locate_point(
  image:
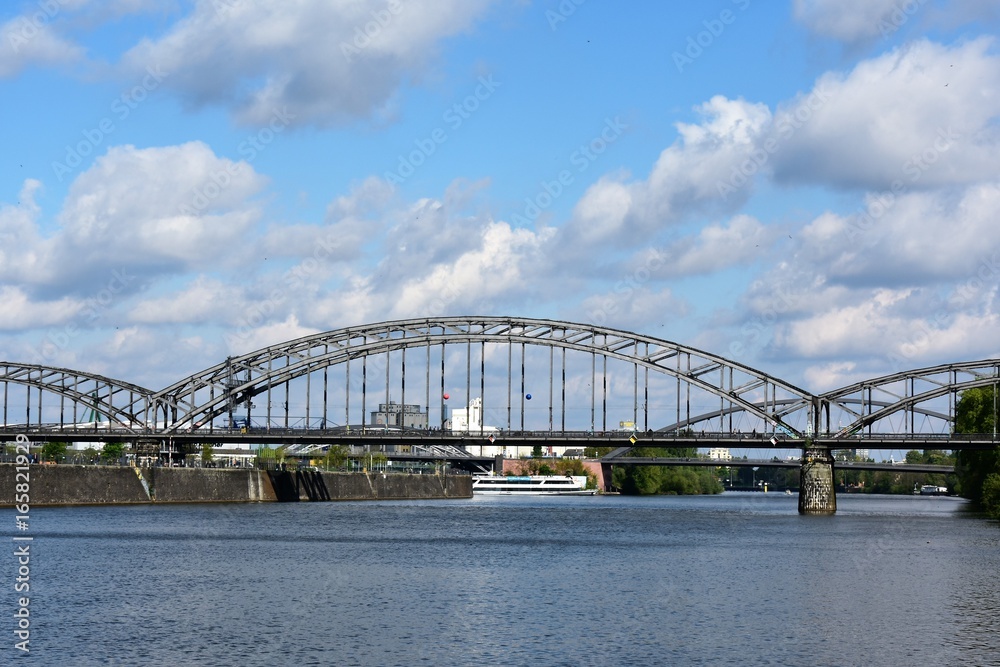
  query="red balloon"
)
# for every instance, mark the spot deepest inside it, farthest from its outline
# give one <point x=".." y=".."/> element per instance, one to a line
<point x="446" y="397"/>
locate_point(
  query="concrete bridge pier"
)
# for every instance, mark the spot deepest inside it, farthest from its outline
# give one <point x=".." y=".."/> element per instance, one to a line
<point x="607" y="471"/>
<point x="816" y="490"/>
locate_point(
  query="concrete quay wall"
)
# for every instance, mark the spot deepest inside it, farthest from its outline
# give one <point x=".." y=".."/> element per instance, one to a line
<point x="305" y="485"/>
<point x="376" y="486"/>
<point x="206" y="485"/>
<point x="72" y="485"/>
<point x="109" y="485"/>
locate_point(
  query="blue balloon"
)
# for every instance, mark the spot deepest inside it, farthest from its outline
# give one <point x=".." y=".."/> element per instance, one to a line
<point x="528" y="396"/>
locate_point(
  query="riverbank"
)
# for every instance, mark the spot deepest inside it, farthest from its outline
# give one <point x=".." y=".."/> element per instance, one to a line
<point x="115" y="485"/>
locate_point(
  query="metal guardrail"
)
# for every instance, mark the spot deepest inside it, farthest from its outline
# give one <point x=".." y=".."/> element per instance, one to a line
<point x="431" y="439"/>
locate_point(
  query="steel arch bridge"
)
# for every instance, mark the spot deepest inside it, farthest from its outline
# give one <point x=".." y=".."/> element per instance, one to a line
<point x="238" y="380"/>
<point x="591" y="375"/>
<point x="90" y="397"/>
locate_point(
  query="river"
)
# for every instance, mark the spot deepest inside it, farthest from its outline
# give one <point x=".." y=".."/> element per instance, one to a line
<point x="736" y="579"/>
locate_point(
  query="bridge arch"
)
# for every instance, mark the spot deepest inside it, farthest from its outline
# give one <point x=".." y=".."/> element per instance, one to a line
<point x="81" y="396"/>
<point x="911" y="393"/>
<point x="230" y="387"/>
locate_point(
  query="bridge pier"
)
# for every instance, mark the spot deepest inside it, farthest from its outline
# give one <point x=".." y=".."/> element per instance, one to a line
<point x="817" y="494"/>
<point x="607" y="471"/>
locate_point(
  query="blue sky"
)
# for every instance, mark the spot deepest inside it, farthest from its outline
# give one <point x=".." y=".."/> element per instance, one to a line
<point x="808" y="187"/>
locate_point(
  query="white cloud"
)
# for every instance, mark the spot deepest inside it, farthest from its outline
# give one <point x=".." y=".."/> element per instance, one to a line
<point x="152" y="357"/>
<point x="880" y="326"/>
<point x="829" y="376"/>
<point x="715" y="248"/>
<point x="497" y="267"/>
<point x="328" y="61"/>
<point x="272" y="333"/>
<point x="20" y="243"/>
<point x="684" y="181"/>
<point x="159" y="209"/>
<point x="845" y="20"/>
<point x="864" y="21"/>
<point x="30" y="39"/>
<point x="920" y="238"/>
<point x="351" y="221"/>
<point x="859" y="329"/>
<point x="204" y="300"/>
<point x="633" y="307"/>
<point x="19" y="312"/>
<point x="852" y="131"/>
<point x="862" y="288"/>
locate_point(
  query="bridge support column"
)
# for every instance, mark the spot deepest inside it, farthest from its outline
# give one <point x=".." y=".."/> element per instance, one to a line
<point x="816" y="491"/>
<point x="607" y="470"/>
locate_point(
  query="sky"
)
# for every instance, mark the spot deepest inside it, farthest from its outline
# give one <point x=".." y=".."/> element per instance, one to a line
<point x="808" y="187"/>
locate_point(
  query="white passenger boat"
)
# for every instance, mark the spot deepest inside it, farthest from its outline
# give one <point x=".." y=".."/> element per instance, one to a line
<point x="534" y="485"/>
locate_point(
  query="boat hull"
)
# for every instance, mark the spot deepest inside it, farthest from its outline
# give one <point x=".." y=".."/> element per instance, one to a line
<point x="491" y="492"/>
<point x="535" y="485"/>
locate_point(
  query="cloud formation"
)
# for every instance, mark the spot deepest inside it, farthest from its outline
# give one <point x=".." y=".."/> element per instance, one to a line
<point x="856" y="134"/>
<point x="331" y="62"/>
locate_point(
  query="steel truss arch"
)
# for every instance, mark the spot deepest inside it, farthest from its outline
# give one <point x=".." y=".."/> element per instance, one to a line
<point x="794" y="404"/>
<point x="123" y="403"/>
<point x="935" y="381"/>
<point x="240" y="378"/>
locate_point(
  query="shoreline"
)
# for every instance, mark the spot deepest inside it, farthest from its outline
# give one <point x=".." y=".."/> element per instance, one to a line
<point x="67" y="485"/>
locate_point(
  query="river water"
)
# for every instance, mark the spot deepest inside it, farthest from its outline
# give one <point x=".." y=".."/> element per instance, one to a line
<point x="736" y="579"/>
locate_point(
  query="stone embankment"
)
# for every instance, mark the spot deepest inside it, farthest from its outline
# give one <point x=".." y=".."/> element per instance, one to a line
<point x="110" y="485"/>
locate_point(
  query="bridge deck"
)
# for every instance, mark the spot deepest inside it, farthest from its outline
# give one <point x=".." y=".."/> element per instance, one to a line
<point x="615" y="439"/>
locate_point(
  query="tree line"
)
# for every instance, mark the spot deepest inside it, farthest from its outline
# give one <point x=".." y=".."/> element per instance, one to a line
<point x="978" y="472"/>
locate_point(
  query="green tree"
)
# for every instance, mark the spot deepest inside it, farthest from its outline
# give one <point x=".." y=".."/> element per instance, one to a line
<point x="680" y="480"/>
<point x="207" y="454"/>
<point x="575" y="467"/>
<point x="377" y="460"/>
<point x="336" y="456"/>
<point x="54" y="451"/>
<point x="976" y="412"/>
<point x="536" y="451"/>
<point x="597" y="452"/>
<point x="991" y="495"/>
<point x="112" y="451"/>
<point x="269" y="457"/>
